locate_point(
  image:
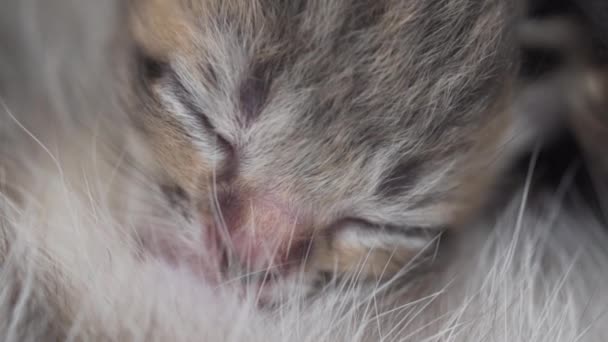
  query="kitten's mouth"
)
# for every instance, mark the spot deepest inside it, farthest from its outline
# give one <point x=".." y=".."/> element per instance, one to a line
<point x="254" y="265"/>
<point x="250" y="258"/>
<point x="254" y="241"/>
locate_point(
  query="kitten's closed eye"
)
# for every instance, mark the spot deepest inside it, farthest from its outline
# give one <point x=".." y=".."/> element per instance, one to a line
<point x="357" y="248"/>
<point x="193" y="126"/>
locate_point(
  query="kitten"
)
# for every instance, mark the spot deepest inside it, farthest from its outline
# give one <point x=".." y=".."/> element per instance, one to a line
<point x="341" y="132"/>
<point x="292" y="149"/>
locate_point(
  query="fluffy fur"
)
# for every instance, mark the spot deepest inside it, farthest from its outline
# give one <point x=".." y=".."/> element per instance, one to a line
<point x="342" y="132"/>
<point x="78" y="179"/>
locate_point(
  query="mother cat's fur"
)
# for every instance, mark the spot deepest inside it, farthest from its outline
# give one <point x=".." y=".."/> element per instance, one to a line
<point x="533" y="272"/>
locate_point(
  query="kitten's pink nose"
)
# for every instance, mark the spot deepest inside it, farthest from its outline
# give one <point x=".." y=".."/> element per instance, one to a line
<point x="262" y="229"/>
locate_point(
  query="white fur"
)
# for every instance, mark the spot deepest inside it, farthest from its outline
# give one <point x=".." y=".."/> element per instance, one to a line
<point x="533" y="275"/>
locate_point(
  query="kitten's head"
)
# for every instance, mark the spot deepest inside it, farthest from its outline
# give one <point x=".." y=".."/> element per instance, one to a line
<point x="363" y="126"/>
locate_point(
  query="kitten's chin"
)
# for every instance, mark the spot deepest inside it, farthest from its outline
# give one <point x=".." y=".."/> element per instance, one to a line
<point x="238" y="261"/>
<point x="184" y="245"/>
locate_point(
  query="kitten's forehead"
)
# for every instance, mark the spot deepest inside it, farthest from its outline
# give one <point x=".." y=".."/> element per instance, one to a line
<point x="348" y="97"/>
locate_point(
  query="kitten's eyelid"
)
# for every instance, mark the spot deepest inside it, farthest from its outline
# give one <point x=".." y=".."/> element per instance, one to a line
<point x="351" y="222"/>
<point x="216" y="147"/>
<point x="193" y="110"/>
<point x="399" y="229"/>
<point x="156" y="69"/>
<point x="225" y="145"/>
<point x="373" y="236"/>
<point x="220" y="140"/>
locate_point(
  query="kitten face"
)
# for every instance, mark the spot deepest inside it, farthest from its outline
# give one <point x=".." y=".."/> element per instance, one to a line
<point x="332" y="132"/>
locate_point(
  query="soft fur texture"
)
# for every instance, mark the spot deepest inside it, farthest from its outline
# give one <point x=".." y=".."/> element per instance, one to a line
<point x="280" y="123"/>
<point x="79" y="181"/>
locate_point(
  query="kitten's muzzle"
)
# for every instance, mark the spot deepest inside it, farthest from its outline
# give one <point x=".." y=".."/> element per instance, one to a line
<point x="260" y="230"/>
